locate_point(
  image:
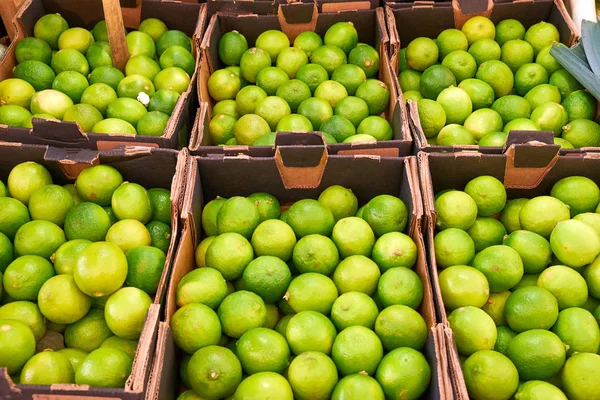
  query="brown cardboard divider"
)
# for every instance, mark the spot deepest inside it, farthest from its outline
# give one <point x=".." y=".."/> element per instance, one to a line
<point x="409" y="21"/>
<point x="184" y="16"/>
<point x="116" y="33"/>
<point x="169" y="168"/>
<point x="440" y="171"/>
<point x="249" y="21"/>
<point x="225" y="176"/>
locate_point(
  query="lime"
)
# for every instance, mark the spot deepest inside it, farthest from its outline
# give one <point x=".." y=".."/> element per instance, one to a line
<point x="356" y="274"/>
<point x="477" y="28"/>
<point x="591" y="219"/>
<point x="145" y="266"/>
<point x="542" y="94"/>
<point x="486" y="232"/>
<point x="71" y="83"/>
<point x="362" y="138"/>
<point x="366" y="57"/>
<point x="49" y="28"/>
<point x="312" y="376"/>
<point x="530" y="307"/>
<point x="541" y="214"/>
<point x="272" y="42"/>
<point x="38" y="74"/>
<point x="75" y="356"/>
<point x="270" y="78"/>
<point x="75" y="38"/>
<point x="498" y="75"/>
<point x="505" y="335"/>
<point x="238" y="214"/>
<point x="349" y="75"/>
<point x="153" y="27"/>
<point x="97" y="262"/>
<point x="264" y="384"/>
<point x="386" y="213"/>
<point x="310" y="217"/>
<point x="311" y="74"/>
<point x="582" y="133"/>
<point x="565" y="82"/>
<point x="357" y="349"/>
<point x="6" y="252"/>
<point x="473" y="329"/>
<point x="316" y="110"/>
<point x="331" y="91"/>
<point x="127" y="109"/>
<point x="18" y="116"/>
<point x="61" y="301"/>
<point x="579" y="105"/>
<point x="253" y="61"/>
<point x="394" y="249"/>
<point x="51" y="102"/>
<point x="128" y="234"/>
<point x="533" y="249"/>
<point x="509" y="29"/>
<point x="231" y="47"/>
<point x="262" y="350"/>
<point x="267" y="276"/>
<point x="240" y="312"/>
<point x="461" y="63"/>
<point x="50" y="203"/>
<point x="140" y="43"/>
<point x="315" y="253"/>
<point x="456" y="103"/>
<point x="26" y="312"/>
<point x="99" y="95"/>
<point x="359" y="385"/>
<point x="421" y="53"/>
<point x="329" y="57"/>
<point x="481" y="93"/>
<point x="47" y="368"/>
<point x="40" y="238"/>
<point x="484" y="50"/>
<point x="377" y="127"/>
<point x="153" y="123"/>
<point x="308" y="41"/>
<point x="354" y="309"/>
<point x="132" y="85"/>
<point x="107" y="75"/>
<point x="353" y="235"/>
<point x="489" y="195"/>
<point x="311" y="291"/>
<point x="402" y="286"/>
<point x="537" y="354"/>
<point x="529" y="76"/>
<point x="455" y="209"/>
<point x="482" y="122"/>
<point x="202" y="285"/>
<point x="97" y="184"/>
<point x="131" y="201"/>
<point x="294" y="92"/>
<point x="541" y="35"/>
<point x="273" y="238"/>
<point x="404" y="372"/>
<point x="115" y="365"/>
<point x="410" y="80"/>
<point x="450" y="40"/>
<point x="463" y="286"/>
<point x="453" y="247"/>
<point x="166" y="100"/>
<point x="17" y="343"/>
<point x="65" y="257"/>
<point x="172" y="38"/>
<point x="574" y="243"/>
<point x="490" y="375"/>
<point x="338" y="127"/>
<point x="177" y="56"/>
<point x="191" y="336"/>
<point x="579" y="193"/>
<point x="577" y="375"/>
<point x="142" y="65"/>
<point x="501" y="265"/>
<point x="342" y="35"/>
<point x="88" y="333"/>
<point x="249" y="128"/>
<point x="220" y="128"/>
<point x="578" y="330"/>
<point x="354" y="109"/>
<point x="223" y="85"/>
<point x="125" y="312"/>
<point x="70" y="60"/>
<point x="550" y="117"/>
<point x="209" y="216"/>
<point x="401" y="326"/>
<point x="290" y="60"/>
<point x="516" y="53"/>
<point x="171" y="78"/>
<point x="98" y="54"/>
<point x="272" y="109"/>
<point x="24" y="277"/>
<point x="32" y="48"/>
<point x="99" y="31"/>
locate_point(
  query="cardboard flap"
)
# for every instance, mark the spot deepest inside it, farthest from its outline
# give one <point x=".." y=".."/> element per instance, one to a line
<point x="57" y="131"/>
<point x="522" y="137"/>
<point x="72" y="161"/>
<point x="527" y="164"/>
<point x="345" y="6"/>
<point x="297" y="18"/>
<point x="465" y="9"/>
<point x="300" y="159"/>
<point x="8" y="10"/>
<point x="116" y="33"/>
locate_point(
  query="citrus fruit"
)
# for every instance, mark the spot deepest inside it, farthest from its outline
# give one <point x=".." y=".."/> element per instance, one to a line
<point x="481" y="93"/>
<point x="501" y="265"/>
<point x="86" y="116"/>
<point x="98" y="54"/>
<point x="87" y="221"/>
<point x="170" y="38"/>
<point x="353" y="109"/>
<point x="209" y="216"/>
<point x="47" y="368"/>
<point x="357" y="349"/>
<point x="541" y="94"/>
<point x="483" y="121"/>
<point x="294" y="92"/>
<point x="171" y="78"/>
<point x="565" y="82"/>
<point x="238" y="214"/>
<point x="394" y="249"/>
<point x="50" y="203"/>
<point x="312" y="375"/>
<point x="153" y="27"/>
<point x="75" y="356"/>
<point x="331" y="91"/>
<point x="509" y="29"/>
<point x="578" y="330"/>
<point x="353" y="235"/>
<point x="26" y="312"/>
<point x="294" y="123"/>
<point x="142" y="65"/>
<point x="202" y="285"/>
<point x="24" y="277"/>
<point x="310" y="331"/>
<point x="577" y="376"/>
<point x="494" y="307"/>
<point x="130" y="201"/>
<point x="338" y="127"/>
<point x="490" y="375"/>
<point x="505" y="335"/>
<point x="75" y="38"/>
<point x="386" y="213"/>
<point x="378" y="127"/>
<point x="129" y="110"/>
<point x="115" y="365"/>
<point x="214" y="372"/>
<point x="529" y="76"/>
<point x="550" y="117"/>
<point x="316" y="110"/>
<point x="249" y="128"/>
<point x="581" y="194"/>
<point x="531" y="308"/>
<point x="273" y="238"/>
<point x="453" y="247"/>
<point x="354" y="309"/>
<point x="421" y="53"/>
<point x="311" y="74"/>
<point x="461" y="63"/>
<point x="311" y="291"/>
<point x="273" y="42"/>
<point x="133" y="85"/>
<point x="537" y="354"/>
<point x="342" y="35"/>
<point x="580" y="105"/>
<point x="125" y="312"/>
<point x="32" y="48"/>
<point x="290" y="59"/>
<point x="574" y="243"/>
<point x="359" y="385"/>
<point x="533" y="249"/>
<point x="308" y="41"/>
<point x="49" y="28"/>
<point x="18" y="116"/>
<point x="489" y="194"/>
<point x="450" y="40"/>
<point x="403" y="372"/>
<point x="223" y="85"/>
<point x="253" y="61"/>
<point x="166" y="100"/>
<point x="268" y="277"/>
<point x="145" y="266"/>
<point x="230" y="264"/>
<point x="191" y="336"/>
<point x="61" y="301"/>
<point x="270" y="78"/>
<point x="96" y="262"/>
<point x="410" y="80"/>
<point x="329" y="57"/>
<point x="310" y="217"/>
<point x="474" y="330"/>
<point x="39" y="237"/>
<point x="462" y="286"/>
<point x="516" y="53"/>
<point x="17" y="343"/>
<point x="38" y="74"/>
<point x="240" y="312"/>
<point x="401" y="326"/>
<point x="456" y="103"/>
<point x="542" y="213"/>
<point x="231" y="47"/>
<point x="498" y="75"/>
<point x="541" y="35"/>
<point x="478" y="27"/>
<point x="455" y="209"/>
<point x="88" y="333"/>
<point x="70" y="60"/>
<point x="486" y="232"/>
<point x="264" y="384"/>
<point x="140" y="43"/>
<point x="400" y="285"/>
<point x="99" y="31"/>
<point x="65" y="257"/>
<point x="485" y="49"/>
<point x="315" y="253"/>
<point x="177" y="56"/>
<point x="349" y="75"/>
<point x="356" y="274"/>
<point x="582" y="133"/>
<point x="153" y="123"/>
<point x="99" y="95"/>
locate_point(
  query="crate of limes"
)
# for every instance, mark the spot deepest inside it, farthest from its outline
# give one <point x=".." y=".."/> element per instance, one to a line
<point x="514" y="255"/>
<point x="300" y="71"/>
<point x="59" y="69"/>
<point x="85" y="251"/>
<point x="486" y="75"/>
<point x="307" y="288"/>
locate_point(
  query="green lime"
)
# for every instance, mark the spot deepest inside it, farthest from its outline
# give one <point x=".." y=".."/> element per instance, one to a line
<point x="505" y="335"/>
<point x="400" y="285"/>
<point x="456" y="103"/>
<point x="356" y="274"/>
<point x="79" y="39"/>
<point x="18" y="116"/>
<point x="485" y="49"/>
<point x="177" y="56"/>
<point x="262" y="350"/>
<point x="354" y="309"/>
<point x="99" y="95"/>
<point x="349" y="75"/>
<point x="498" y="75"/>
<point x="357" y="349"/>
<point x="578" y="330"/>
<point x="125" y="312"/>
<point x="165" y="101"/>
<point x="202" y="285"/>
<point x="579" y="193"/>
<point x="453" y="247"/>
<point x="579" y="105"/>
<point x="329" y="57"/>
<point x="509" y="29"/>
<point x="582" y="133"/>
<point x="481" y="93"/>
<point x="331" y="91"/>
<point x="342" y="35"/>
<point x="311" y="291"/>
<point x="401" y="326"/>
<point x="377" y="127"/>
<point x="483" y="121"/>
<point x="253" y="61"/>
<point x="338" y="127"/>
<point x="312" y="375"/>
<point x="231" y="47"/>
<point x="290" y="59"/>
<point x="51" y="102"/>
<point x="172" y="38"/>
<point x="249" y="128"/>
<point x="115" y="364"/>
<point x="153" y="27"/>
<point x="531" y="307"/>
<point x="486" y="232"/>
<point x="49" y="28"/>
<point x="241" y="311"/>
<point x="315" y="253"/>
<point x="574" y="243"/>
<point x="421" y="53"/>
<point x="40" y="238"/>
<point x="50" y="203"/>
<point x="501" y="265"/>
<point x="410" y="80"/>
<point x="145" y="265"/>
<point x="267" y="276"/>
<point x="366" y="57"/>
<point x="294" y="92"/>
<point x="75" y="356"/>
<point x="209" y="216"/>
<point x="127" y="109"/>
<point x="70" y="60"/>
<point x="273" y="42"/>
<point x="534" y="250"/>
<point x="512" y="107"/>
<point x="61" y="301"/>
<point x="47" y="368"/>
<point x="455" y="209"/>
<point x="577" y="375"/>
<point x="223" y="85"/>
<point x="537" y="354"/>
<point x="153" y="123"/>
<point x="308" y="41"/>
<point x="128" y="234"/>
<point x="529" y="76"/>
<point x="565" y="82"/>
<point x="32" y="48"/>
<point x="542" y="213"/>
<point x="38" y="74"/>
<point x="311" y="74"/>
<point x="474" y="330"/>
<point x="189" y="335"/>
<point x="355" y="236"/>
<point x="489" y="195"/>
<point x="450" y="40"/>
<point x="541" y="35"/>
<point x="142" y="65"/>
<point x="65" y="257"/>
<point x="354" y="109"/>
<point x="230" y="264"/>
<point x="404" y="372"/>
<point x="107" y="75"/>
<point x="273" y="238"/>
<point x="386" y="213"/>
<point x="516" y="53"/>
<point x="171" y="78"/>
<point x="88" y="333"/>
<point x="477" y="28"/>
<point x="71" y="83"/>
<point x="270" y="78"/>
<point x="310" y="217"/>
<point x="26" y="312"/>
<point x="140" y="43"/>
<point x="132" y="85"/>
<point x="98" y="54"/>
<point x="541" y="94"/>
<point x="463" y="286"/>
<point x="461" y="63"/>
<point x="131" y="201"/>
<point x="490" y="375"/>
<point x="272" y="109"/>
<point x="97" y="263"/>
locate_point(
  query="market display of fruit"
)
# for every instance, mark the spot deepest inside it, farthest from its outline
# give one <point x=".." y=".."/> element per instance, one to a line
<point x="315" y="302"/>
<point x="66" y="73"/>
<point x="79" y="266"/>
<point x="327" y="84"/>
<point x="476" y="84"/>
<point x="519" y="280"/>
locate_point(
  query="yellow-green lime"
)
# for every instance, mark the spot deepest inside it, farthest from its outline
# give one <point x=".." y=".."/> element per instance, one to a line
<point x="153" y="123"/>
<point x="269" y="79"/>
<point x="220" y="128"/>
<point x="377" y="127"/>
<point x="18" y="116"/>
<point x="453" y="247"/>
<point x="308" y="41"/>
<point x="223" y="85"/>
<point x="65" y="257"/>
<point x="98" y="54"/>
<point x="165" y="101"/>
<point x="312" y="375"/>
<point x="579" y="105"/>
<point x="582" y="133"/>
<point x="450" y="40"/>
<point x="99" y="95"/>
<point x="530" y="307"/>
<point x="50" y="203"/>
<point x="331" y="91"/>
<point x="463" y="286"/>
<point x="272" y="109"/>
<point x="485" y="49"/>
<point x="125" y="312"/>
<point x="356" y="274"/>
<point x="435" y="79"/>
<point x="128" y="234"/>
<point x="565" y="82"/>
<point x="354" y="309"/>
<point x="349" y="75"/>
<point x="461" y="63"/>
<point x="541" y="35"/>
<point x="172" y="78"/>
<point x="400" y="285"/>
<point x="61" y="301"/>
<point x="338" y="127"/>
<point x="474" y="330"/>
<point x="366" y="57"/>
<point x="511" y="107"/>
<point x="537" y="354"/>
<point x="253" y="61"/>
<point x="38" y="74"/>
<point x="189" y="335"/>
<point x="409" y="80"/>
<point x="145" y="265"/>
<point x="534" y="250"/>
<point x="132" y="85"/>
<point x="421" y="53"/>
<point x="483" y="121"/>
<point x="581" y="194"/>
<point x="115" y="362"/>
<point x="290" y="59"/>
<point x="546" y="60"/>
<point x="521" y="124"/>
<point x="509" y="29"/>
<point x="203" y="285"/>
<point x="26" y="312"/>
<point x="153" y="27"/>
<point x="490" y="375"/>
<point x="70" y="60"/>
<point x="542" y="94"/>
<point x="268" y="277"/>
<point x="240" y="312"/>
<point x="310" y="217"/>
<point x="88" y="333"/>
<point x="274" y="238"/>
<point x="108" y="75"/>
<point x="315" y="253"/>
<point x="140" y="43"/>
<point x="71" y="83"/>
<point x="49" y="28"/>
<point x="170" y="38"/>
<point x="295" y="91"/>
<point x="262" y="350"/>
<point x="529" y="76"/>
<point x="231" y="47"/>
<point x="456" y="103"/>
<point x="177" y="56"/>
<point x="47" y="368"/>
<point x="516" y="53"/>
<point x="404" y="372"/>
<point x="95" y="264"/>
<point x="357" y="349"/>
<point x="578" y="330"/>
<point x="230" y="264"/>
<point x="87" y="221"/>
<point x="329" y="57"/>
<point x="477" y="28"/>
<point x="24" y="277"/>
<point x="498" y="75"/>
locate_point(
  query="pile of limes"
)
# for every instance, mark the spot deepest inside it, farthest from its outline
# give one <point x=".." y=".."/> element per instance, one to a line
<point x="317" y="302"/>
<point x="473" y="86"/>
<point x="319" y="84"/>
<point x="67" y="74"/>
<point x="78" y="268"/>
<point x="521" y="281"/>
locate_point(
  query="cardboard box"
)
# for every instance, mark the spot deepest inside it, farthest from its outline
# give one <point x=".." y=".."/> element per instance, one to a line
<point x="168" y="171"/>
<point x="408" y="21"/>
<point x="294" y="173"/>
<point x="187" y="17"/>
<point x="293" y="19"/>
<point x="527" y="170"/>
<point x="270" y="6"/>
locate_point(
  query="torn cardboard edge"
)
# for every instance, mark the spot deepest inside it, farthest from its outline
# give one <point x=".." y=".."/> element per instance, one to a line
<point x="126" y="160"/>
<point x="69" y="134"/>
<point x="251" y="24"/>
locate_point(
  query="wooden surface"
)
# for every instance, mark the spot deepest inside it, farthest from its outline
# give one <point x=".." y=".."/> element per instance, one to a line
<point x="116" y="33"/>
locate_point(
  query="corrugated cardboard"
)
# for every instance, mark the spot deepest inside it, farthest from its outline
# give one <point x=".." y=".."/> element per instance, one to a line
<point x="292" y="19"/>
<point x="425" y="18"/>
<point x="527" y="170"/>
<point x="308" y="176"/>
<point x="168" y="171"/>
<point x="187" y="17"/>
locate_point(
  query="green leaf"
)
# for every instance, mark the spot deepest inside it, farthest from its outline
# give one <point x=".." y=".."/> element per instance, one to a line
<point x="577" y="68"/>
<point x="590" y="37"/>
